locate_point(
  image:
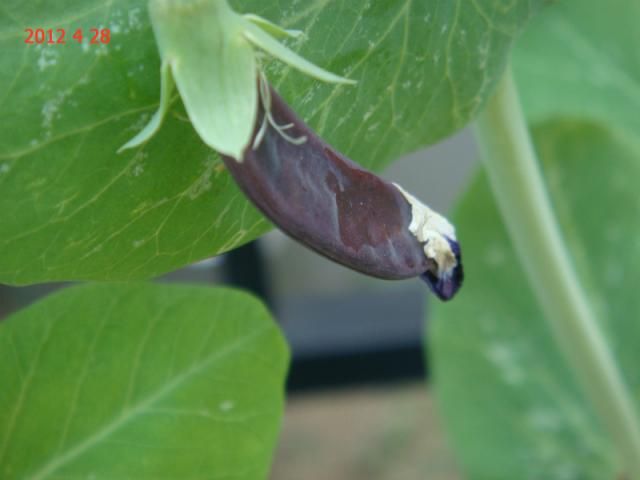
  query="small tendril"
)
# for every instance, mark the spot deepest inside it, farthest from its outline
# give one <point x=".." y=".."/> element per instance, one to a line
<point x="267" y="119"/>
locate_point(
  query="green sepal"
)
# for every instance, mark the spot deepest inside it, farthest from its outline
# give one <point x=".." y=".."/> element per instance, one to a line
<point x="264" y="41"/>
<point x="207" y="49"/>
<point x="271" y="28"/>
<point x="166" y="89"/>
<point x="214" y="69"/>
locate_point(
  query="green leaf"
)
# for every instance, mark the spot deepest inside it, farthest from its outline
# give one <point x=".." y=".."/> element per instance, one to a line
<point x="512" y="406"/>
<point x="580" y="58"/>
<point x="144" y="381"/>
<point x="71" y="208"/>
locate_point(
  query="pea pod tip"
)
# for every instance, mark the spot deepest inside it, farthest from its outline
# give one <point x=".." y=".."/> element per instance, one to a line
<point x="433" y="231"/>
<point x="447" y="283"/>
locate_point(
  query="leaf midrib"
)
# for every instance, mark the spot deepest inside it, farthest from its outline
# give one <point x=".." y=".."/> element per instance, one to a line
<point x="132" y="412"/>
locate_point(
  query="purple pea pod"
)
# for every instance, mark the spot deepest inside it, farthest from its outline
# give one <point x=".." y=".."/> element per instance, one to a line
<point x="330" y="204"/>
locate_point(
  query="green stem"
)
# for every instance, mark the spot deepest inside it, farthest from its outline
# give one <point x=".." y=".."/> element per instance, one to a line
<point x="519" y="189"/>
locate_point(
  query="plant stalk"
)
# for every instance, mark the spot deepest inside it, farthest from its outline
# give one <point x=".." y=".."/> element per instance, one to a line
<point x="517" y="184"/>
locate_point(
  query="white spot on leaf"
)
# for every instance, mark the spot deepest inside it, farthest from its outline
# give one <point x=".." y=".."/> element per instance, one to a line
<point x="48" y="58"/>
<point x="115" y="27"/>
<point x="506" y="359"/>
<point x="134" y="18"/>
<point x="368" y="114"/>
<point x="226" y="405"/>
<point x="137" y="170"/>
<point x="203" y="182"/>
<point x="102" y="50"/>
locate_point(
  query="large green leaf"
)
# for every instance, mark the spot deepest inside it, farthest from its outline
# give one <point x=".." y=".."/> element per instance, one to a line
<point x="144" y="382"/>
<point x="70" y="208"/>
<point x="512" y="405"/>
<point x="580" y="58"/>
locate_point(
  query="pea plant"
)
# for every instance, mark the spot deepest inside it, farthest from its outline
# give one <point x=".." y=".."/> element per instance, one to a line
<point x="135" y="142"/>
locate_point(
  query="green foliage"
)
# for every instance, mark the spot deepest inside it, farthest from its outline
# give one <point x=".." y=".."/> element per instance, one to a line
<point x="513" y="407"/>
<point x="147" y="381"/>
<point x="71" y="208"/>
<point x="140" y="381"/>
<point x="580" y="58"/>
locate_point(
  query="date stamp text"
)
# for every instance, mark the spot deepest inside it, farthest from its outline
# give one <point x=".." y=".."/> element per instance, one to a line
<point x="58" y="36"/>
